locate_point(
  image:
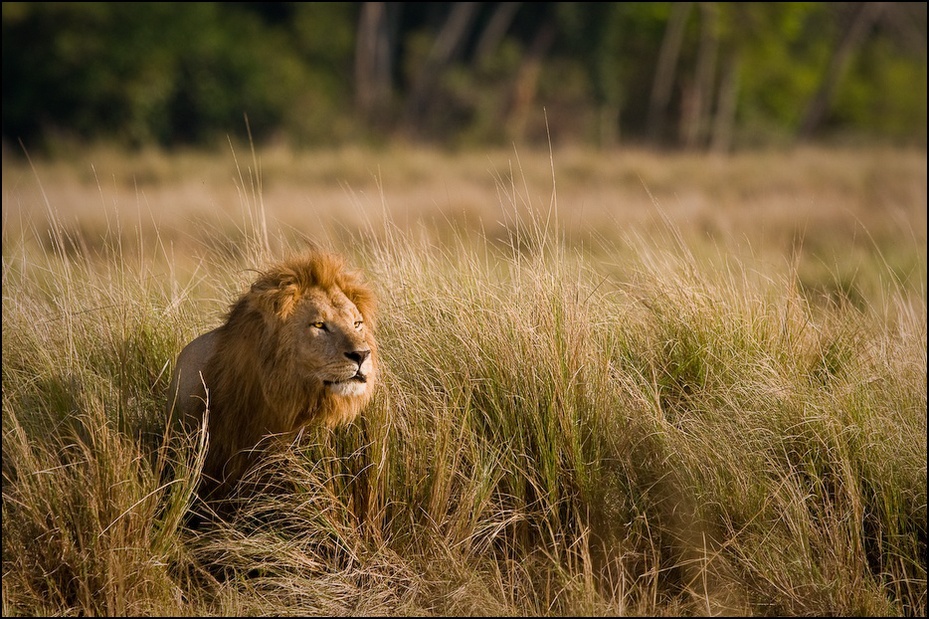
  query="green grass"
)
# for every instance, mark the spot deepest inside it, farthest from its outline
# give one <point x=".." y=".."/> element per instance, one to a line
<point x="666" y="431"/>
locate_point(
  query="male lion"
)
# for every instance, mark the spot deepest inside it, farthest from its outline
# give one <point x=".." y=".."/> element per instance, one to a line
<point x="297" y="348"/>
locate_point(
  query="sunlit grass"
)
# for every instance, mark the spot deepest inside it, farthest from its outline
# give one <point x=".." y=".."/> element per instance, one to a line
<point x="645" y="424"/>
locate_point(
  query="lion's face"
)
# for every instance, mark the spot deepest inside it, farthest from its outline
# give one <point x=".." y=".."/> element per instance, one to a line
<point x="332" y="344"/>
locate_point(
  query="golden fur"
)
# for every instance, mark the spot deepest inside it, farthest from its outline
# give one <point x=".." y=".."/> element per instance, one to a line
<point x="297" y="348"/>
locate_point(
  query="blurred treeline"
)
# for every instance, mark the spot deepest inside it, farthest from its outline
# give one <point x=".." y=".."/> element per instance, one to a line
<point x="707" y="75"/>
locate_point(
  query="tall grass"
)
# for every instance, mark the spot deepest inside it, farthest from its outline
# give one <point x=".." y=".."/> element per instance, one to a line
<point x="553" y="435"/>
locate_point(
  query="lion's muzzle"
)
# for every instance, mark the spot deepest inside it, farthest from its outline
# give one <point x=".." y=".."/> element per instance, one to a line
<point x="356" y="383"/>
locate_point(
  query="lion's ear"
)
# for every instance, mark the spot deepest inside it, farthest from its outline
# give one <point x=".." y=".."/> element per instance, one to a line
<point x="276" y="297"/>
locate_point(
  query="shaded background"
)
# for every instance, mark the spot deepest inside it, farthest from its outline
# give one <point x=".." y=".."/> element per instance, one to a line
<point x="707" y="75"/>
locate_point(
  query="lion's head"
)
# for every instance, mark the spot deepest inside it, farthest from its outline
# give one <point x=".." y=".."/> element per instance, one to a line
<point x="297" y="348"/>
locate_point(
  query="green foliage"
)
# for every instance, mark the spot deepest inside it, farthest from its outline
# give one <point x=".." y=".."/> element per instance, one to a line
<point x="188" y="73"/>
<point x="782" y="59"/>
<point x="170" y="73"/>
<point x="879" y="96"/>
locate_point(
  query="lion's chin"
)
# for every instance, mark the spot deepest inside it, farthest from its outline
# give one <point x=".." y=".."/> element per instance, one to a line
<point x="355" y="386"/>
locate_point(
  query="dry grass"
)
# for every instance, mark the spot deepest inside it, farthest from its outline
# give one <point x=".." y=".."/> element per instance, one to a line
<point x="613" y="384"/>
<point x="765" y="200"/>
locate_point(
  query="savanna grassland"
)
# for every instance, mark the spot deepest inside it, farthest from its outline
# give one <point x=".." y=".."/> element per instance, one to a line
<point x="615" y="383"/>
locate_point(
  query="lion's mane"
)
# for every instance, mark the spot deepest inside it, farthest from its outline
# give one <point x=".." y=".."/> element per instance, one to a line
<point x="254" y="387"/>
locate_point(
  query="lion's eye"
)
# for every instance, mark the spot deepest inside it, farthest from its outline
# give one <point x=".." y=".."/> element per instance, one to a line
<point x="319" y="324"/>
<point x="359" y="324"/>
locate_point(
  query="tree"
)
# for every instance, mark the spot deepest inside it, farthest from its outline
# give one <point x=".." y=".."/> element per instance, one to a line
<point x="374" y="54"/>
<point x="447" y="43"/>
<point x="698" y="93"/>
<point x="863" y="16"/>
<point x="665" y="70"/>
<point x="495" y="30"/>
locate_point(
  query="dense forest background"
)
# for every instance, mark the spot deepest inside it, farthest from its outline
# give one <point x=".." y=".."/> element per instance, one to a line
<point x="707" y="75"/>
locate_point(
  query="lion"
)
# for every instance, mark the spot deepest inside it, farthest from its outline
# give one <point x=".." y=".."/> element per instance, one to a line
<point x="297" y="348"/>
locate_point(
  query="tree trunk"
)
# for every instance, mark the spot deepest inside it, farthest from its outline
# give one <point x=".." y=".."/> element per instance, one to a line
<point x="694" y="125"/>
<point x="373" y="60"/>
<point x="664" y="72"/>
<point x="856" y="34"/>
<point x="495" y="30"/>
<point x="724" y="121"/>
<point x="525" y="86"/>
<point x="447" y="42"/>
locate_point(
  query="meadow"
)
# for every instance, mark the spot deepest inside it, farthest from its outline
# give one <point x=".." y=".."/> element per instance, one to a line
<point x="613" y="383"/>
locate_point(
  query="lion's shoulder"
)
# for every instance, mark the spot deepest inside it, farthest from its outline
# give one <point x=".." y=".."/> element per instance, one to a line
<point x="186" y="393"/>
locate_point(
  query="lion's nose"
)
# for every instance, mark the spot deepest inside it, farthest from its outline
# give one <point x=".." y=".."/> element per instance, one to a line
<point x="358" y="356"/>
